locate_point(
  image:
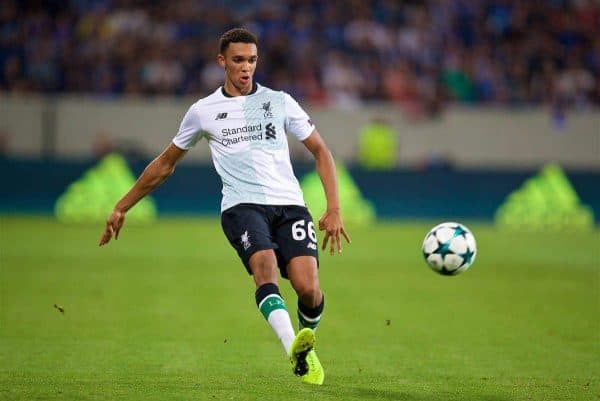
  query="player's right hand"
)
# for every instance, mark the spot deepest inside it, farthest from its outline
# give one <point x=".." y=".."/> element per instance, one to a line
<point x="113" y="226"/>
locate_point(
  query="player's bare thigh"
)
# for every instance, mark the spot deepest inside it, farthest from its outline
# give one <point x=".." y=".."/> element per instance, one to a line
<point x="263" y="265"/>
<point x="304" y="276"/>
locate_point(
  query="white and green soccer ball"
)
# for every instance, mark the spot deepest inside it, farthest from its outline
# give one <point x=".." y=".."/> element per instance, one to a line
<point x="449" y="248"/>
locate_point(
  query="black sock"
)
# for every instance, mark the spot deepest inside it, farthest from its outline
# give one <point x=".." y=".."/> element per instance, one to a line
<point x="310" y="317"/>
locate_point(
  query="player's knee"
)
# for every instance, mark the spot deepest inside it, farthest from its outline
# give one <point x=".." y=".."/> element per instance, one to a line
<point x="264" y="267"/>
<point x="310" y="294"/>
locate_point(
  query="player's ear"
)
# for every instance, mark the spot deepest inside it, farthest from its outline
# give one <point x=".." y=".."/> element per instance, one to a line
<point x="221" y="60"/>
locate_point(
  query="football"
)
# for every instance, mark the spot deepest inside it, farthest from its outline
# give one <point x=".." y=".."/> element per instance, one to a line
<point x="449" y="248"/>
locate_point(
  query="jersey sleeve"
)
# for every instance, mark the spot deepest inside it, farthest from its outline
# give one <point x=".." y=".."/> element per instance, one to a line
<point x="190" y="130"/>
<point x="297" y="122"/>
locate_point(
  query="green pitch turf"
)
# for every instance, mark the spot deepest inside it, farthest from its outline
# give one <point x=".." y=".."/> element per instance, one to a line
<point x="167" y="313"/>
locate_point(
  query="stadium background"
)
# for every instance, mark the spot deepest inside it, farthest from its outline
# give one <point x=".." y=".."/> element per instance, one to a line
<point x="489" y="91"/>
<point x="482" y="97"/>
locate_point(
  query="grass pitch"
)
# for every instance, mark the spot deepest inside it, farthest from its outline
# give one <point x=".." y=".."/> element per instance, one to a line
<point x="167" y="313"/>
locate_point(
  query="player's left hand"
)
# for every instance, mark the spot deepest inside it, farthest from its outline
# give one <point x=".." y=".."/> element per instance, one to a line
<point x="113" y="226"/>
<point x="331" y="222"/>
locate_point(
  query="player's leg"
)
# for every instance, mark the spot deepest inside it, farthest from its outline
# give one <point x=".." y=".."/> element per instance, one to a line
<point x="303" y="274"/>
<point x="304" y="277"/>
<point x="263" y="265"/>
<point x="299" y="257"/>
<point x="247" y="229"/>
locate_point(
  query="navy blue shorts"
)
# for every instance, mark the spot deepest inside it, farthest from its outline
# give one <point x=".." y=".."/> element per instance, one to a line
<point x="288" y="230"/>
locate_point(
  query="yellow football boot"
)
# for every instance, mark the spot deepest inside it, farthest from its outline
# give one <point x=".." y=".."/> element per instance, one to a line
<point x="316" y="374"/>
<point x="302" y="345"/>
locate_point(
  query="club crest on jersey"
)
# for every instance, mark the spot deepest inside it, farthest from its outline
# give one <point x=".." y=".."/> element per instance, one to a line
<point x="245" y="240"/>
<point x="267" y="108"/>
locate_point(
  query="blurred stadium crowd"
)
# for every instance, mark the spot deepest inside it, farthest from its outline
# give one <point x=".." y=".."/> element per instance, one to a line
<point x="419" y="54"/>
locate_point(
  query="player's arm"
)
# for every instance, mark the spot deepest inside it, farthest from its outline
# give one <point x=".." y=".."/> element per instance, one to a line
<point x="331" y="221"/>
<point x="153" y="175"/>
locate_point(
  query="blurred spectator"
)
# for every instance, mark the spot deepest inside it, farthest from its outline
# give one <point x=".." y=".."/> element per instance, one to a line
<point x="575" y="84"/>
<point x="341" y="80"/>
<point x="418" y="54"/>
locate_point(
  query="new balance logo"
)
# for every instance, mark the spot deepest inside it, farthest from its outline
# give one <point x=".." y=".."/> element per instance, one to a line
<point x="312" y="245"/>
<point x="221" y="116"/>
<point x="271" y="133"/>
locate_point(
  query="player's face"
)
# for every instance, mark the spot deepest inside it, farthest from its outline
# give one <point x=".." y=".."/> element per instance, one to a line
<point x="239" y="62"/>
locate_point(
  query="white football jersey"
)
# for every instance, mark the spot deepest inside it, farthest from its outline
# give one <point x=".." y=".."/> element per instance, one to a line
<point x="248" y="144"/>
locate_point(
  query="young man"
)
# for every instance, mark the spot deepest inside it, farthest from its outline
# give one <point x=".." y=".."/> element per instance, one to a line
<point x="263" y="213"/>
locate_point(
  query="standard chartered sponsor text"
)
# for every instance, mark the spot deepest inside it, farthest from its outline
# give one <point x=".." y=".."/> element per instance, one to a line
<point x="228" y="132"/>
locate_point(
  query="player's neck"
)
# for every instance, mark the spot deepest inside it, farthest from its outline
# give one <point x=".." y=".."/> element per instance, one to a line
<point x="230" y="90"/>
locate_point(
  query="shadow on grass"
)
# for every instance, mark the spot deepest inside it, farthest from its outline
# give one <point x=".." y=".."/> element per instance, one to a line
<point x="370" y="393"/>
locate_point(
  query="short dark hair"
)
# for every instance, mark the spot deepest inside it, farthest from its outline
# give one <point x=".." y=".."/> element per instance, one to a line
<point x="236" y="35"/>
